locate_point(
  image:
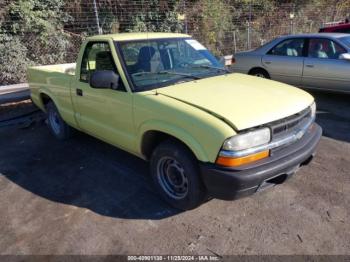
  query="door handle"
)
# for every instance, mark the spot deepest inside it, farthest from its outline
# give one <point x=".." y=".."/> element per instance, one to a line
<point x="79" y="92"/>
<point x="310" y="66"/>
<point x="267" y="62"/>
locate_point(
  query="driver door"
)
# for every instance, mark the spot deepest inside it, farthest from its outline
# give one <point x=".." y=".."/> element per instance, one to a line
<point x="103" y="113"/>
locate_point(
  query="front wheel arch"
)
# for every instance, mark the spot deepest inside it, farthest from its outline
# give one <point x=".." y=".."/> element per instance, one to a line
<point x="152" y="138"/>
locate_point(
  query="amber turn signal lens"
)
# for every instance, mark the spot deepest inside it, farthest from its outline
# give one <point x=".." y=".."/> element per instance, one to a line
<point x="232" y="162"/>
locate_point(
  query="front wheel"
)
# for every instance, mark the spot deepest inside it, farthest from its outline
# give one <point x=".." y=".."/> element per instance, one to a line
<point x="176" y="176"/>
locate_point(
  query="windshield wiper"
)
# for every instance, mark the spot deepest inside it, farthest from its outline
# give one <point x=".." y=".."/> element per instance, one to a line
<point x="165" y="72"/>
<point x="179" y="74"/>
<point x="215" y="67"/>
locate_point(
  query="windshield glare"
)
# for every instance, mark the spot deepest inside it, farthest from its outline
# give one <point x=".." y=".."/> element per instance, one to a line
<point x="346" y="41"/>
<point x="155" y="63"/>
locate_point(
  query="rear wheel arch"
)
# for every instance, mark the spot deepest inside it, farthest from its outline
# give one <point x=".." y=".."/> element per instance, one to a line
<point x="45" y="99"/>
<point x="259" y="70"/>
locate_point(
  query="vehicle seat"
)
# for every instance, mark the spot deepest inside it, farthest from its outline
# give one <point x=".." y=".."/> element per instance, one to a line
<point x="156" y="63"/>
<point x="165" y="57"/>
<point x="292" y="52"/>
<point x="317" y="51"/>
<point x="144" y="58"/>
<point x="104" y="61"/>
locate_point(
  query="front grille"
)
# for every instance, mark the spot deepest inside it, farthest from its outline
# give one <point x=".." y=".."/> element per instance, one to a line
<point x="289" y="124"/>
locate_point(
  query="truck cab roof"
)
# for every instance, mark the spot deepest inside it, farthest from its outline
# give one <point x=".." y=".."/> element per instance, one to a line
<point x="137" y="36"/>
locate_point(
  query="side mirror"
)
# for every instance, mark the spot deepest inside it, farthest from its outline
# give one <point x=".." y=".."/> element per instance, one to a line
<point x="104" y="79"/>
<point x="345" y="56"/>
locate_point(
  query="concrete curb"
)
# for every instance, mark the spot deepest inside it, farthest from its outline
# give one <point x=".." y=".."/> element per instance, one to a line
<point x="14" y="93"/>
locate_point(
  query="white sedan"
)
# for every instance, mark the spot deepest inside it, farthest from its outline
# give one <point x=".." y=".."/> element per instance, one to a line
<point x="317" y="61"/>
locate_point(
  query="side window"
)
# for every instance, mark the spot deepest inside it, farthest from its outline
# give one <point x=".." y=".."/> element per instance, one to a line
<point x="289" y="47"/>
<point x="97" y="56"/>
<point x="325" y="49"/>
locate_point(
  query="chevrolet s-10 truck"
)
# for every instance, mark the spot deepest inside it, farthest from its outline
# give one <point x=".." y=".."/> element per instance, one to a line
<point x="164" y="97"/>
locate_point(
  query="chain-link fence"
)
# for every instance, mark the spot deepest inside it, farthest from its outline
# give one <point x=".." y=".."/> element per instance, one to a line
<point x="51" y="31"/>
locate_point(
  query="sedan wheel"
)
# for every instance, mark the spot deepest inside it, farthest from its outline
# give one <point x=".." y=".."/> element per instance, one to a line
<point x="259" y="73"/>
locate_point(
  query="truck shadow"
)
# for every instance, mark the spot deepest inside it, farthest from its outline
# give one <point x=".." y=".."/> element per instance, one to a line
<point x="88" y="173"/>
<point x="333" y="114"/>
<point x="82" y="172"/>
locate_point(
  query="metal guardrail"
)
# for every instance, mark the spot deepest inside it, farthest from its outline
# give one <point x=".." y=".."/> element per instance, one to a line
<point x="17" y="93"/>
<point x="4" y="89"/>
<point x="14" y="93"/>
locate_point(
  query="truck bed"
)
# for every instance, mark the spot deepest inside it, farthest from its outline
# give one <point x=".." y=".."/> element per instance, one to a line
<point x="53" y="81"/>
<point x="60" y="68"/>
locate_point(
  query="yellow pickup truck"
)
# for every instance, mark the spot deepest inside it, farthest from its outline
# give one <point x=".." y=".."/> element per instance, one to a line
<point x="165" y="98"/>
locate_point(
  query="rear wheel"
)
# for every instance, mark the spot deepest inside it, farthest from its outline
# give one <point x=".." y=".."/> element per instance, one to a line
<point x="176" y="176"/>
<point x="56" y="124"/>
<point x="260" y="73"/>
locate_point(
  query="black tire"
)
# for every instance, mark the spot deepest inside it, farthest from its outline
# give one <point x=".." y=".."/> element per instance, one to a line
<point x="56" y="124"/>
<point x="259" y="73"/>
<point x="175" y="173"/>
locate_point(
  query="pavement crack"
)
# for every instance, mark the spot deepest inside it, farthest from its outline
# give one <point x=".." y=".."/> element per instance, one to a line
<point x="214" y="253"/>
<point x="300" y="239"/>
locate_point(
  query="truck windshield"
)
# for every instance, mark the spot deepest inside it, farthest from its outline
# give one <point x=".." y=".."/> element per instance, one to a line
<point x="161" y="62"/>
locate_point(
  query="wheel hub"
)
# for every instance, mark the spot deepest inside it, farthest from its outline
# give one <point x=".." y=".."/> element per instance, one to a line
<point x="172" y="178"/>
<point x="260" y="75"/>
<point x="55" y="122"/>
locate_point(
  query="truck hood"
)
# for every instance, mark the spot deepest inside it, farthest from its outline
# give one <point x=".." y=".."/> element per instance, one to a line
<point x="240" y="100"/>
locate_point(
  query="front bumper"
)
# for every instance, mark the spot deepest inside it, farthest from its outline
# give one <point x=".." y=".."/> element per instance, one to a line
<point x="228" y="184"/>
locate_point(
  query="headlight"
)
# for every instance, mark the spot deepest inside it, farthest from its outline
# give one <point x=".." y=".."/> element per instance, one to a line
<point x="313" y="109"/>
<point x="248" y="140"/>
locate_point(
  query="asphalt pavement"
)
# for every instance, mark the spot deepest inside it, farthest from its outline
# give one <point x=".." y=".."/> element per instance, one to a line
<point x="83" y="196"/>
